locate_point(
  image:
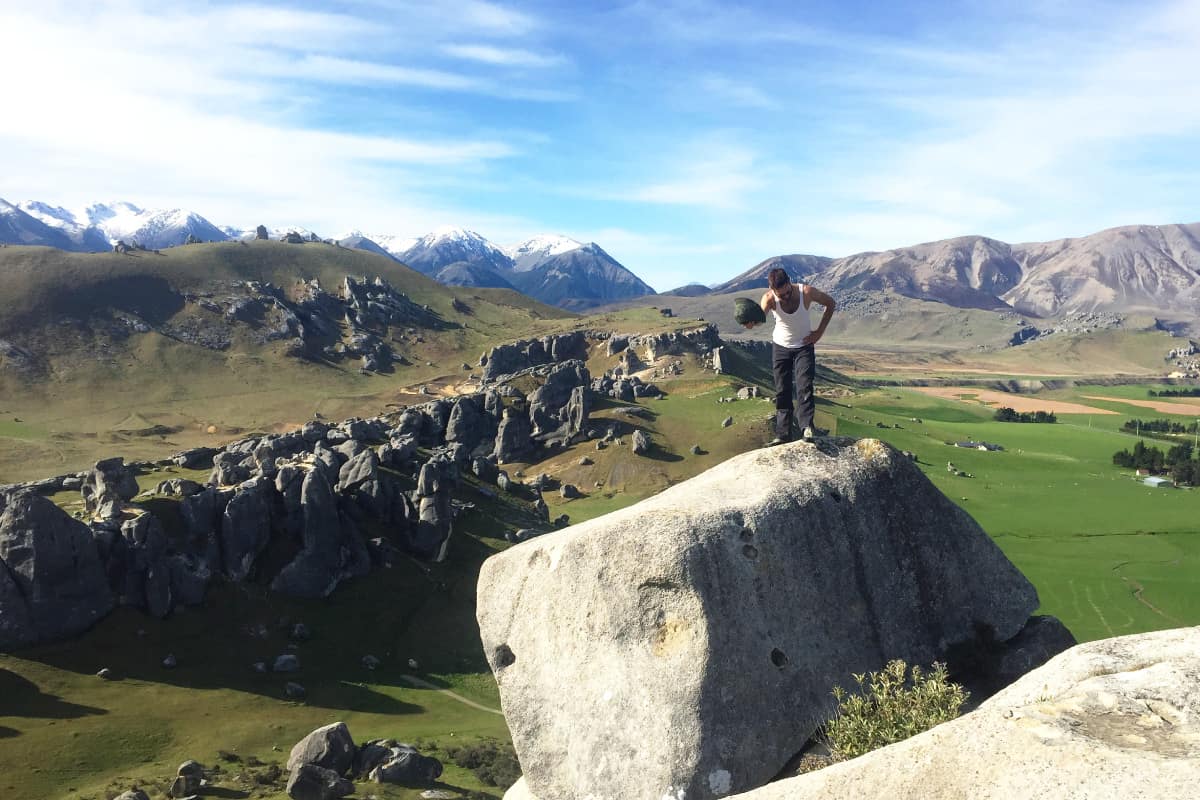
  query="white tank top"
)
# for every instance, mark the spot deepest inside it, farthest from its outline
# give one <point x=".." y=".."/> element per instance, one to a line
<point x="790" y="329"/>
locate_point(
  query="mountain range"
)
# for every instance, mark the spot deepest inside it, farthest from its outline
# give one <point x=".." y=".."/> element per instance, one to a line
<point x="1136" y="268"/>
<point x="554" y="269"/>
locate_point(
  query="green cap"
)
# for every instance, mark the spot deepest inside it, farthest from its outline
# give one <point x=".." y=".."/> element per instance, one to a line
<point x="746" y="310"/>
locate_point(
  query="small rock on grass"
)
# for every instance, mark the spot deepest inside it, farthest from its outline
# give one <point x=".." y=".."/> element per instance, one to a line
<point x="727" y="422"/>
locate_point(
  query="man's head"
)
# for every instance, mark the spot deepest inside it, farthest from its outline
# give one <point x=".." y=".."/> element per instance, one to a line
<point x="777" y="279"/>
<point x="781" y="287"/>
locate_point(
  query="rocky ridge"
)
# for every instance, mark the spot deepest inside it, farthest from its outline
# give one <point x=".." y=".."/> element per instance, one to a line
<point x="311" y="494"/>
<point x="308" y="497"/>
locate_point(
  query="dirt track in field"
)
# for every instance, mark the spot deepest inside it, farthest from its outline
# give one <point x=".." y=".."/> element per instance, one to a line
<point x="1161" y="406"/>
<point x="1017" y="402"/>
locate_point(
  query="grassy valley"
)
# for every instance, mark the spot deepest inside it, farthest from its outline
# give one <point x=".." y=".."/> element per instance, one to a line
<point x="1107" y="554"/>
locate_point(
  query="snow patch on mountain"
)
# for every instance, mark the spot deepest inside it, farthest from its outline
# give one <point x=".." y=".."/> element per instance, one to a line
<point x="533" y="252"/>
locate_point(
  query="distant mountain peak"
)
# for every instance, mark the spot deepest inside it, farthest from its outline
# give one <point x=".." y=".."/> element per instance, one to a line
<point x="533" y="252"/>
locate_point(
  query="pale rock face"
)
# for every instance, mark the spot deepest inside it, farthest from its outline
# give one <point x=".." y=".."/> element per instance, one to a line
<point x="1118" y="718"/>
<point x="699" y="633"/>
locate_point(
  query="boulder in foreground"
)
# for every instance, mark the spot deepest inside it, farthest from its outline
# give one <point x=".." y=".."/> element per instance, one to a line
<point x="686" y="646"/>
<point x="1114" y="718"/>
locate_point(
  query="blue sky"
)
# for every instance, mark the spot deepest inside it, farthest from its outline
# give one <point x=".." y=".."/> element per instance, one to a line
<point x="689" y="139"/>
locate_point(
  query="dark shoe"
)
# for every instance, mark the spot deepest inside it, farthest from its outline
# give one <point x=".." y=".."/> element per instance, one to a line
<point x="778" y="440"/>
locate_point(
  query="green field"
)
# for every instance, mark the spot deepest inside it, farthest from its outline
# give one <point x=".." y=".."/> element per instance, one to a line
<point x="66" y="733"/>
<point x="1108" y="555"/>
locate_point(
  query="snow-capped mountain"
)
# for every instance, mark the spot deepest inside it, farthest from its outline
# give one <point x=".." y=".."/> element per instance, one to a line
<point x="531" y="253"/>
<point x="100" y="225"/>
<point x="464" y="273"/>
<point x="448" y="245"/>
<point x="19" y="227"/>
<point x="579" y="278"/>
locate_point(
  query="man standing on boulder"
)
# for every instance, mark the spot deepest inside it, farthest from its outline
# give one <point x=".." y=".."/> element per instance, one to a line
<point x="793" y="358"/>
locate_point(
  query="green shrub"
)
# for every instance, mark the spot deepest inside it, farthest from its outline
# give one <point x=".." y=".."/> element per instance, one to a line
<point x="890" y="706"/>
<point x="494" y="763"/>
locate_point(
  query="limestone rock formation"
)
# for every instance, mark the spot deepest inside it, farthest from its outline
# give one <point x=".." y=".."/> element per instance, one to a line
<point x="703" y="653"/>
<point x="1107" y="719"/>
<point x="107" y="487"/>
<point x="550" y="410"/>
<point x="329" y="746"/>
<point x="52" y="582"/>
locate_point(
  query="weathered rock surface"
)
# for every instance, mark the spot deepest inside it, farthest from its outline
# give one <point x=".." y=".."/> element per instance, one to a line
<point x="52" y="581"/>
<point x="309" y="782"/>
<point x="1107" y="719"/>
<point x="329" y="746"/>
<point x="107" y="487"/>
<point x="705" y="650"/>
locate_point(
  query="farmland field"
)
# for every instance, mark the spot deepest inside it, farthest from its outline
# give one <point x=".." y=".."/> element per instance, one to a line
<point x="1108" y="555"/>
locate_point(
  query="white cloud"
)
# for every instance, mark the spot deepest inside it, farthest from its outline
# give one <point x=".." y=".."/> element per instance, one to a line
<point x="502" y="56"/>
<point x="710" y="173"/>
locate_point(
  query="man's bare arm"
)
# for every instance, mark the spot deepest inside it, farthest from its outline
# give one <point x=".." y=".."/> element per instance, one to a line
<point x="814" y="295"/>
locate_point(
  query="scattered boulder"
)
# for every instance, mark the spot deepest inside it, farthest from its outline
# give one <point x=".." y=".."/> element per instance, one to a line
<point x="722" y="674"/>
<point x="310" y="782"/>
<point x="725" y="423"/>
<point x="641" y="442"/>
<point x="570" y="491"/>
<point x="185" y="785"/>
<point x="330" y="747"/>
<point x="294" y="691"/>
<point x="288" y="662"/>
<point x="132" y="794"/>
<point x="408" y="767"/>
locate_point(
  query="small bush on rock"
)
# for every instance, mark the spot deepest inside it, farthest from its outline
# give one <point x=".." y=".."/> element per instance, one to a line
<point x="891" y="706"/>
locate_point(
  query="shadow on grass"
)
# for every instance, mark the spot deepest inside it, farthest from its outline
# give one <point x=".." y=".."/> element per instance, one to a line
<point x="221" y="791"/>
<point x="8" y="733"/>
<point x="658" y="454"/>
<point x="23" y="698"/>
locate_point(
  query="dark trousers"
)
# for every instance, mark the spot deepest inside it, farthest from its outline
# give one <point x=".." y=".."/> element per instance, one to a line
<point x="794" y="370"/>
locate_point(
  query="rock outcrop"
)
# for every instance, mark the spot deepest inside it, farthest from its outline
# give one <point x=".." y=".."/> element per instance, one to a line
<point x="703" y="651"/>
<point x="1107" y="719"/>
<point x="52" y="582"/>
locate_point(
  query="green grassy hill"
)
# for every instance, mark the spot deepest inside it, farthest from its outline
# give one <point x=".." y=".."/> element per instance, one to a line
<point x="105" y="391"/>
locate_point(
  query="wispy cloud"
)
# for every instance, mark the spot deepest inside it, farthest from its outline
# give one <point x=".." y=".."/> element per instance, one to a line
<point x="502" y="56"/>
<point x="737" y="93"/>
<point x="711" y="173"/>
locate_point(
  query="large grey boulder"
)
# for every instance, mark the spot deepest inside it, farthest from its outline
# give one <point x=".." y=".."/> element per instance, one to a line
<point x="703" y="654"/>
<point x="1107" y="719"/>
<point x="548" y="405"/>
<point x="513" y="439"/>
<point x="329" y="746"/>
<point x="467" y="425"/>
<point x="309" y="782"/>
<point x="52" y="582"/>
<point x="246" y="528"/>
<point x="147" y="573"/>
<point x="333" y="549"/>
<point x="431" y="536"/>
